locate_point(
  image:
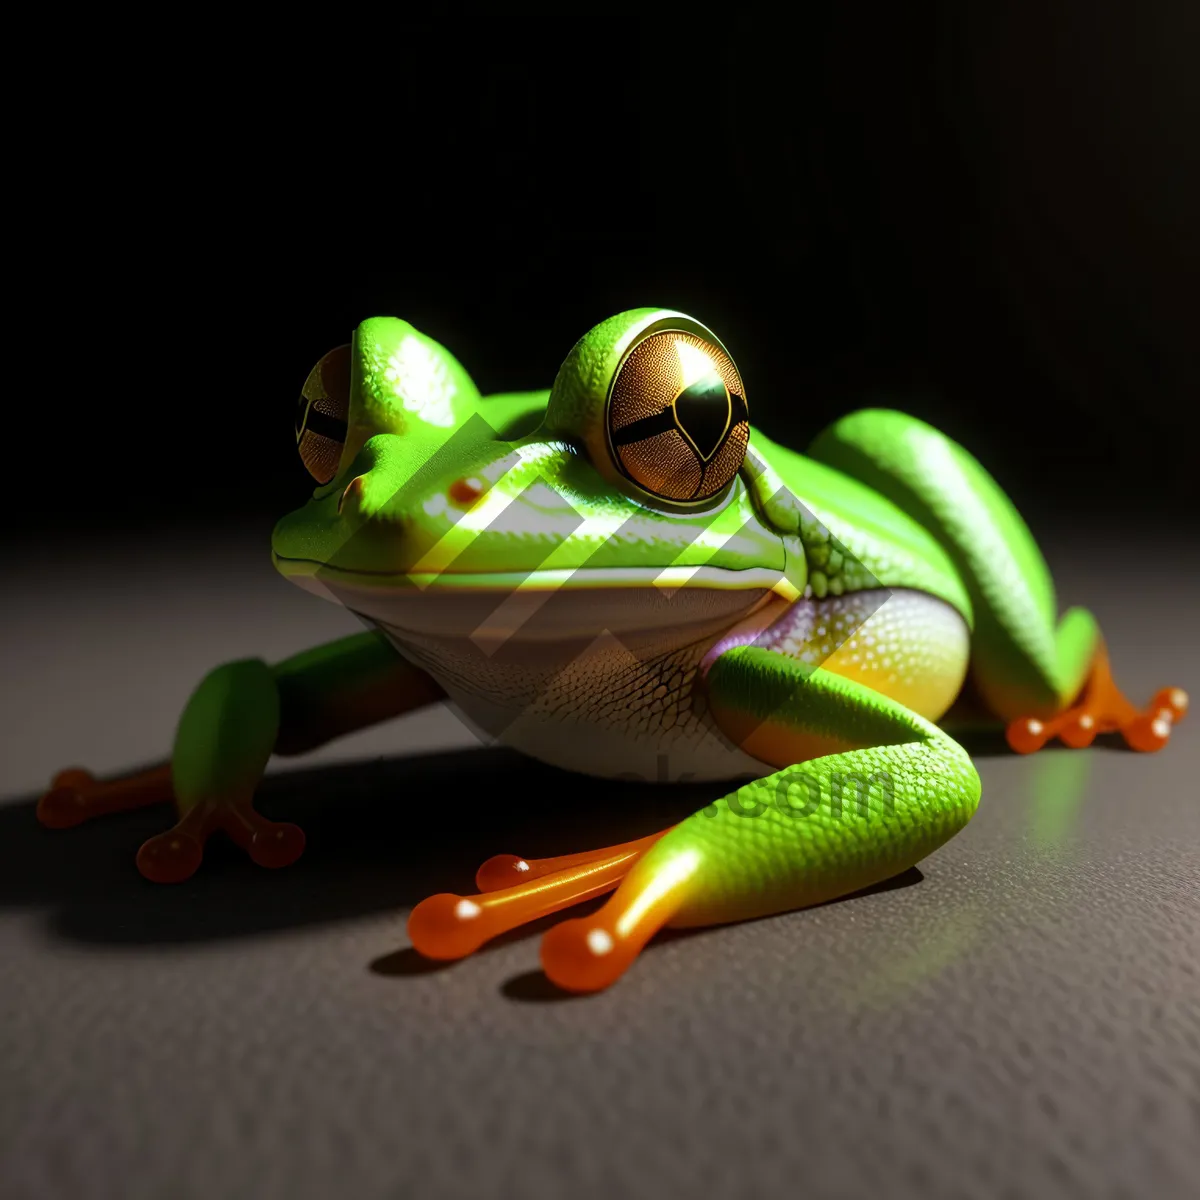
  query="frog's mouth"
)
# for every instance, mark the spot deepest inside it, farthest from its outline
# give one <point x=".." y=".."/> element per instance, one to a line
<point x="542" y="606"/>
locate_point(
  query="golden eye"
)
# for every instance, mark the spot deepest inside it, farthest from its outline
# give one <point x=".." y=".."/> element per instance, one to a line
<point x="321" y="419"/>
<point x="677" y="417"/>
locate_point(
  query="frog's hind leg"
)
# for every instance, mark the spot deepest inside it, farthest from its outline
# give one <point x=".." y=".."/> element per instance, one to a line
<point x="1041" y="676"/>
<point x="515" y="891"/>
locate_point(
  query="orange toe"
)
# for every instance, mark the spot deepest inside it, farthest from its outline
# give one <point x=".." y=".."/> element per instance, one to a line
<point x="591" y="953"/>
<point x="447" y="926"/>
<point x="75" y="795"/>
<point x="1171" y="703"/>
<point x="507" y="870"/>
<point x="170" y="857"/>
<point x="583" y="955"/>
<point x="268" y="843"/>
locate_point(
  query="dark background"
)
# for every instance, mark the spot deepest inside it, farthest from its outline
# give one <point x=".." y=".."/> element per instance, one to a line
<point x="982" y="215"/>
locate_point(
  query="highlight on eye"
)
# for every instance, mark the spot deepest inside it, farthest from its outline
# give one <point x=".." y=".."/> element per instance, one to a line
<point x="677" y="418"/>
<point x="321" y="418"/>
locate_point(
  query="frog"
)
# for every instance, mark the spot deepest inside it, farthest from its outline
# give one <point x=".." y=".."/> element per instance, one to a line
<point x="620" y="571"/>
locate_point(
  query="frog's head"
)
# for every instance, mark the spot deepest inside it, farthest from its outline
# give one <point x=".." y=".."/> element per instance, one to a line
<point x="633" y="479"/>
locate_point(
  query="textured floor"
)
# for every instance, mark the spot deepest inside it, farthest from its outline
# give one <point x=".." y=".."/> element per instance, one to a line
<point x="1021" y="1017"/>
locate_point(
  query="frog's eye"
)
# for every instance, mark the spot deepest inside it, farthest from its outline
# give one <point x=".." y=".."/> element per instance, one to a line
<point x="321" y="419"/>
<point x="677" y="418"/>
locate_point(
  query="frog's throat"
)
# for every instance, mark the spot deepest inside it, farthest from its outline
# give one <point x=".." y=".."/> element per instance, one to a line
<point x="542" y="605"/>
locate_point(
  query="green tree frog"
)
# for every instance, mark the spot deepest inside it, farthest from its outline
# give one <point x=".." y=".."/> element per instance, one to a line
<point x="622" y="571"/>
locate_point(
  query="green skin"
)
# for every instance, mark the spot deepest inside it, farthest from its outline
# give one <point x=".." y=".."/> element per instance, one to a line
<point x="917" y="511"/>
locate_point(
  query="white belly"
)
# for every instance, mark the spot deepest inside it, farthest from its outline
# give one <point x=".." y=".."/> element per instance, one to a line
<point x="596" y="708"/>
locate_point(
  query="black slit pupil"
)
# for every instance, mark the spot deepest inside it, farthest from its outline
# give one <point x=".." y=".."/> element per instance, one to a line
<point x="322" y="424"/>
<point x="703" y="412"/>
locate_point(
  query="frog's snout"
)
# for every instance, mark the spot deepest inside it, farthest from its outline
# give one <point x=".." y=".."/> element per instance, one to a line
<point x="360" y="501"/>
<point x="462" y="494"/>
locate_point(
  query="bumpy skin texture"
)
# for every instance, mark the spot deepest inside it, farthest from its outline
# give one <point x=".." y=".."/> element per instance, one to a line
<point x="370" y="520"/>
<point x="842" y="822"/>
<point x="755" y="852"/>
<point x="855" y="539"/>
<point x="761" y="851"/>
<point x="856" y="785"/>
<point x="1027" y="664"/>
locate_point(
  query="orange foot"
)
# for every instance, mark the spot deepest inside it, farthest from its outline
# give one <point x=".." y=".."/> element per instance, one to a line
<point x="76" y="795"/>
<point x="514" y="891"/>
<point x="1103" y="708"/>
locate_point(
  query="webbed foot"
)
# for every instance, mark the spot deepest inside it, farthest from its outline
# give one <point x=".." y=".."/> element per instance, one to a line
<point x="76" y="796"/>
<point x="174" y="856"/>
<point x="1104" y="708"/>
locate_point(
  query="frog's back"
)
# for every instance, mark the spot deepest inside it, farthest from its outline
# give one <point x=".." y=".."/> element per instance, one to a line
<point x="887" y="547"/>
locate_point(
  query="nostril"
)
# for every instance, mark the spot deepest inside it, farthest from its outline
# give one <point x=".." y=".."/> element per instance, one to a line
<point x="353" y="493"/>
<point x="464" y="492"/>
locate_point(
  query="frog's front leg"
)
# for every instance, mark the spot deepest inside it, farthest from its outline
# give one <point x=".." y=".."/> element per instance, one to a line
<point x="874" y="789"/>
<point x="241" y="714"/>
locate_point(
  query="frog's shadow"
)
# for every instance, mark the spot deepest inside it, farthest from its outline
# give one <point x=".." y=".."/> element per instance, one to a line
<point x="381" y="835"/>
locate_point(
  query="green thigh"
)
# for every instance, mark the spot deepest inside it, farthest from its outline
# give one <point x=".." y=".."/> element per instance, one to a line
<point x="1024" y="660"/>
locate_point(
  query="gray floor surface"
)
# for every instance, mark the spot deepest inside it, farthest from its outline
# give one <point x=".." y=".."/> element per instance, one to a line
<point x="1019" y="1017"/>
